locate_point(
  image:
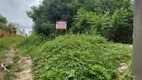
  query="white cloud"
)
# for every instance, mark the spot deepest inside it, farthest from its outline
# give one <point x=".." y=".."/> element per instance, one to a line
<point x="15" y="11"/>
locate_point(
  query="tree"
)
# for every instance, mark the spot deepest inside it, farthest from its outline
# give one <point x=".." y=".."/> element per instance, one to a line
<point x="85" y="22"/>
<point x="2" y="19"/>
<point x="101" y="16"/>
<point x="122" y="26"/>
<point x="51" y="11"/>
<point x="4" y="25"/>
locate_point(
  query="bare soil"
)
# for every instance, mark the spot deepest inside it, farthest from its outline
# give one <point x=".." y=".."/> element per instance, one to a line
<point x="25" y="64"/>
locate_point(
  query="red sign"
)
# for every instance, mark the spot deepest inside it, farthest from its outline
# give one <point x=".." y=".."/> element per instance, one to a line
<point x="61" y="25"/>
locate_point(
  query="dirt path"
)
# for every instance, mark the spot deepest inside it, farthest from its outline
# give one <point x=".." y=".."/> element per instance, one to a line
<point x="25" y="64"/>
<point x="26" y="73"/>
<point x="9" y="54"/>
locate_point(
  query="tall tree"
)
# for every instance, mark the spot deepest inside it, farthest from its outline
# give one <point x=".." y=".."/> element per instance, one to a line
<point x="102" y="14"/>
<point x="51" y="11"/>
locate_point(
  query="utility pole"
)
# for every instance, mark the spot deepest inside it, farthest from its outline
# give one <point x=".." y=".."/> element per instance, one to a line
<point x="137" y="40"/>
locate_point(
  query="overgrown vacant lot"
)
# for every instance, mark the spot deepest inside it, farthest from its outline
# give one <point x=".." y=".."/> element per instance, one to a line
<point x="7" y="50"/>
<point x="9" y="42"/>
<point x="77" y="57"/>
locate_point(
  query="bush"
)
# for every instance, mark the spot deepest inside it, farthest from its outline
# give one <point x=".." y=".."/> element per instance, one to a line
<point x="8" y="42"/>
<point x="117" y="27"/>
<point x="32" y="40"/>
<point x="79" y="57"/>
<point x="2" y="47"/>
<point x="31" y="43"/>
<point x="11" y="41"/>
<point x="122" y="26"/>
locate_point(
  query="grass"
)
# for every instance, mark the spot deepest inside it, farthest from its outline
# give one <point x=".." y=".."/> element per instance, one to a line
<point x="8" y="42"/>
<point x="71" y="57"/>
<point x="5" y="44"/>
<point x="77" y="57"/>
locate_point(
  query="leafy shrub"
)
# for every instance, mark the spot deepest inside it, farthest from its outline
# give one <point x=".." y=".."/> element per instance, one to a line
<point x="2" y="19"/>
<point x="8" y="42"/>
<point x="112" y="19"/>
<point x="79" y="57"/>
<point x="30" y="44"/>
<point x="1" y="45"/>
<point x="32" y="40"/>
<point x="8" y="75"/>
<point x="117" y="27"/>
<point x="2" y="35"/>
<point x="122" y="26"/>
<point x="86" y="22"/>
<point x="11" y="41"/>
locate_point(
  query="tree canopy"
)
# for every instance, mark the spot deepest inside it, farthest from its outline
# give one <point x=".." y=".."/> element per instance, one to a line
<point x="4" y="25"/>
<point x="112" y="19"/>
<point x="2" y="19"/>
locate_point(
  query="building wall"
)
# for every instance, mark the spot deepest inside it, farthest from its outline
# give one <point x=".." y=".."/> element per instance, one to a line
<point x="6" y="33"/>
<point x="20" y="32"/>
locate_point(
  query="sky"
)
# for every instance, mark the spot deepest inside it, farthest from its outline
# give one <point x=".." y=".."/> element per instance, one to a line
<point x="15" y="12"/>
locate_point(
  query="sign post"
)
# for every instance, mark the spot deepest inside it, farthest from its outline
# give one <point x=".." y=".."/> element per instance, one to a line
<point x="61" y="25"/>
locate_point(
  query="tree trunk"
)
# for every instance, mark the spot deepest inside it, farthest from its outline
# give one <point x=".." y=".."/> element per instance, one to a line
<point x="137" y="40"/>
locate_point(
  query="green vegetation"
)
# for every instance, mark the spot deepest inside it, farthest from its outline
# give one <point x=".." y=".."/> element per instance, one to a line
<point x="77" y="57"/>
<point x="85" y="53"/>
<point x="71" y="57"/>
<point x="4" y="25"/>
<point x="3" y="19"/>
<point x="7" y="43"/>
<point x="112" y="19"/>
<point x="31" y="44"/>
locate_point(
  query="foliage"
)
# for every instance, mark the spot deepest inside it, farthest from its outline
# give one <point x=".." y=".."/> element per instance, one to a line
<point x="86" y="22"/>
<point x="31" y="43"/>
<point x="117" y="28"/>
<point x="112" y="19"/>
<point x="2" y="19"/>
<point x="77" y="57"/>
<point x="32" y="40"/>
<point x="4" y="25"/>
<point x="7" y="43"/>
<point x="56" y="10"/>
<point x="16" y="58"/>
<point x="2" y="47"/>
<point x="122" y="30"/>
<point x="9" y="75"/>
